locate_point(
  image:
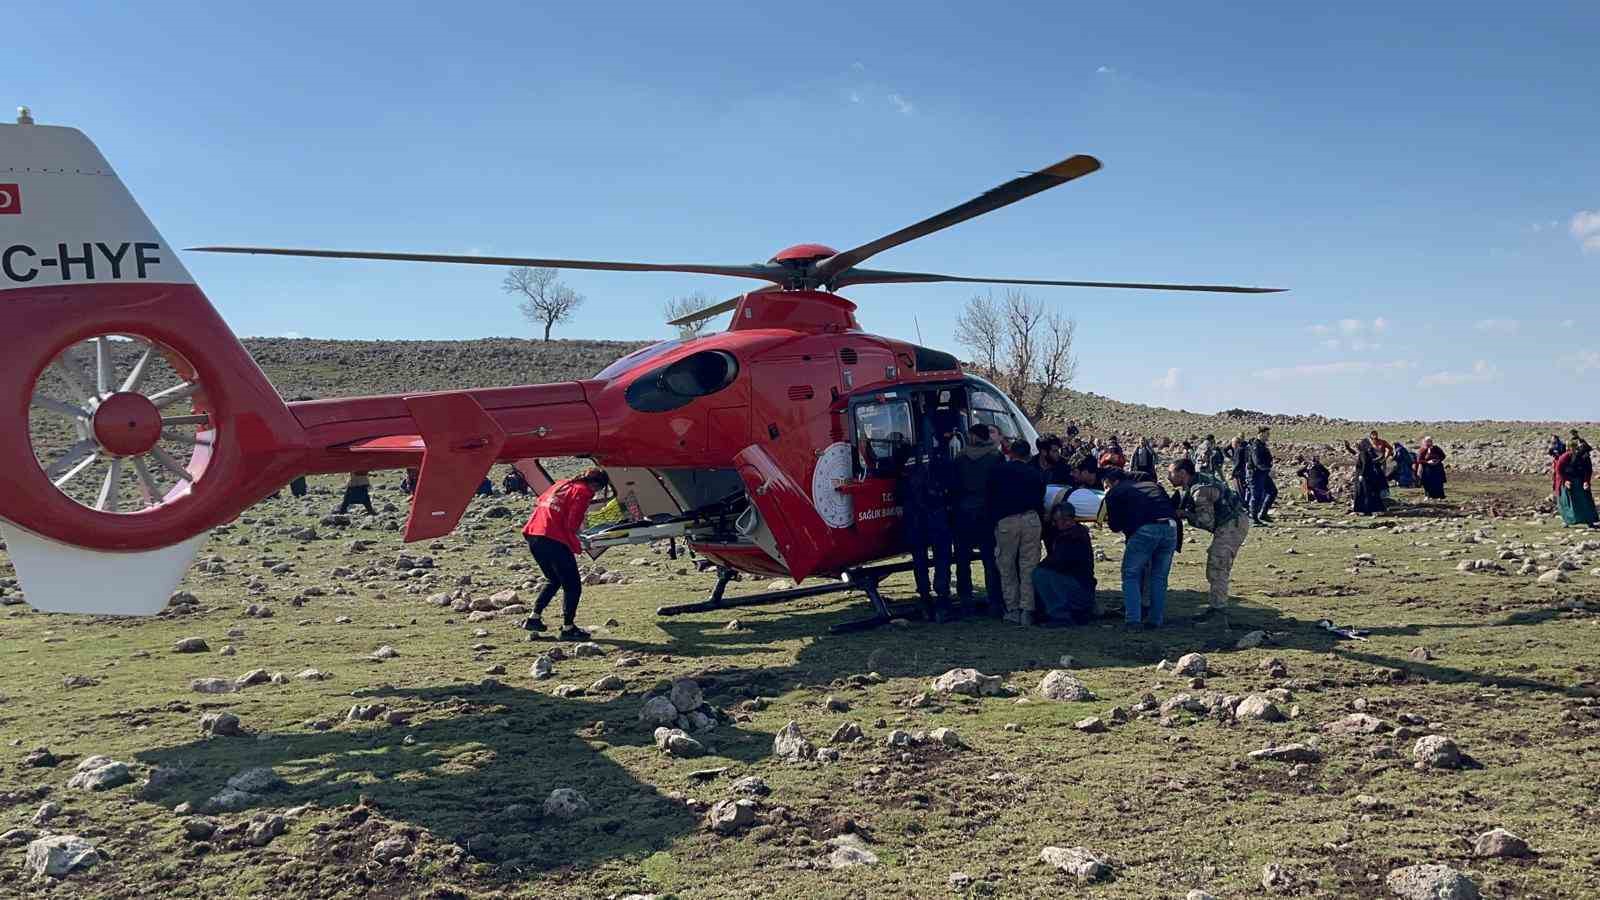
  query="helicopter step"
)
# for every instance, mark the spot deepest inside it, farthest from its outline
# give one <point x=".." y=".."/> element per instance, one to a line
<point x="865" y="579"/>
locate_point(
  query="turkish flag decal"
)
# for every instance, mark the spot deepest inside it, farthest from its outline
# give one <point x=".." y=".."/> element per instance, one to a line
<point x="10" y="200"/>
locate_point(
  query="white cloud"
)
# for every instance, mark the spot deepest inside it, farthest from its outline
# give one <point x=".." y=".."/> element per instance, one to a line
<point x="1325" y="370"/>
<point x="1482" y="373"/>
<point x="1498" y="326"/>
<point x="855" y="96"/>
<point x="1105" y="70"/>
<point x="1585" y="228"/>
<point x="902" y="104"/>
<point x="1351" y="326"/>
<point x="1568" y="323"/>
<point x="1169" y="381"/>
<point x="1585" y="362"/>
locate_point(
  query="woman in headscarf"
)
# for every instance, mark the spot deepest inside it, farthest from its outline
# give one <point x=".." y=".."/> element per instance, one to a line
<point x="1367" y="488"/>
<point x="1405" y="466"/>
<point x="1573" y="472"/>
<point x="1430" y="469"/>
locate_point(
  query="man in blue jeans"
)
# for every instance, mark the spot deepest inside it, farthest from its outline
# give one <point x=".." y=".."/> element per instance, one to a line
<point x="1142" y="512"/>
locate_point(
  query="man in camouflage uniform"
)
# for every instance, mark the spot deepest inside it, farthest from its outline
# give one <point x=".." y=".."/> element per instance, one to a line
<point x="1210" y="505"/>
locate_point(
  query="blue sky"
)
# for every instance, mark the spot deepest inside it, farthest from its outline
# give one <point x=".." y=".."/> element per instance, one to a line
<point x="1423" y="176"/>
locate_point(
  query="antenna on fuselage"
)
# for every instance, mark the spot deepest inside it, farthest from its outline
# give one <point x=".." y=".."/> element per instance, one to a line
<point x="919" y="329"/>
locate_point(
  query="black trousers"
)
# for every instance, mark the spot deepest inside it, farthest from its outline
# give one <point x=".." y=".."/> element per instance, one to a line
<point x="357" y="495"/>
<point x="560" y="568"/>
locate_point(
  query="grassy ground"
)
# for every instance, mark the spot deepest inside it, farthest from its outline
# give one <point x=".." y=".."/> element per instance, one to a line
<point x="1175" y="803"/>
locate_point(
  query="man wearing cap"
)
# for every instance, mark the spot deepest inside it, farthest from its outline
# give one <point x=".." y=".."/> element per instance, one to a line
<point x="1209" y="505"/>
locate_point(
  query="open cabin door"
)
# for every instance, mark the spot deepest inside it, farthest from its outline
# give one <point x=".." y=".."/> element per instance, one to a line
<point x="803" y="539"/>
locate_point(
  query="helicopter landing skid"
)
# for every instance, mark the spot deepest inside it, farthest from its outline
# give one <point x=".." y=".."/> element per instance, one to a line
<point x="865" y="579"/>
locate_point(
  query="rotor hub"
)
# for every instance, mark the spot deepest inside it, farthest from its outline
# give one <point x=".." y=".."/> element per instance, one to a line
<point x="126" y="423"/>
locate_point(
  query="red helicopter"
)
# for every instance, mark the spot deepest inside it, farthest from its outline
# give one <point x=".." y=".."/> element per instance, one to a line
<point x="771" y="447"/>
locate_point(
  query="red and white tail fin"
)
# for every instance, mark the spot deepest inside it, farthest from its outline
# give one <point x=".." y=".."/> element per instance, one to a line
<point x="131" y="419"/>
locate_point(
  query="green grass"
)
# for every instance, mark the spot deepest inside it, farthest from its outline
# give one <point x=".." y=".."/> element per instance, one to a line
<point x="1177" y="806"/>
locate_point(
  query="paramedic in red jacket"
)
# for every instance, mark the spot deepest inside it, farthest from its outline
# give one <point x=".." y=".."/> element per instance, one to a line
<point x="552" y="533"/>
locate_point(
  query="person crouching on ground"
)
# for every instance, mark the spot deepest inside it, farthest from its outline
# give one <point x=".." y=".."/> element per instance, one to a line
<point x="1064" y="582"/>
<point x="1016" y="492"/>
<point x="1209" y="505"/>
<point x="552" y="533"/>
<point x="1141" y="511"/>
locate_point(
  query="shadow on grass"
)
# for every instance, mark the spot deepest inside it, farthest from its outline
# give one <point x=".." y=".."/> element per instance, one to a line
<point x="475" y="753"/>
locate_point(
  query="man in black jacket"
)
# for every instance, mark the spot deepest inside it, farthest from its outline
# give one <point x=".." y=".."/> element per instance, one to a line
<point x="1142" y="512"/>
<point x="1016" y="494"/>
<point x="1263" y="491"/>
<point x="973" y="527"/>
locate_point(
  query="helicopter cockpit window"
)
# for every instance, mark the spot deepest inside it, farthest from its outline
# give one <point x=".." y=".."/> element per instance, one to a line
<point x="689" y="378"/>
<point x="884" y="437"/>
<point x="993" y="412"/>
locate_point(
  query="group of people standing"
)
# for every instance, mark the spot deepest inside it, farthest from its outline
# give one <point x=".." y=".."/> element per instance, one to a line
<point x="1378" y="464"/>
<point x="1038" y="560"/>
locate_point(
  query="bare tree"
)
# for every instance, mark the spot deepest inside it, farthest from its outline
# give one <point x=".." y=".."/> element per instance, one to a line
<point x="1025" y="348"/>
<point x="678" y="307"/>
<point x="1058" y="366"/>
<point x="546" y="301"/>
<point x="978" y="329"/>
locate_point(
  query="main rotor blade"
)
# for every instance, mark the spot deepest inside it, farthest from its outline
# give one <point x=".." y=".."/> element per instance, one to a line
<point x="716" y="309"/>
<point x="880" y="276"/>
<point x="774" y="274"/>
<point x="828" y="271"/>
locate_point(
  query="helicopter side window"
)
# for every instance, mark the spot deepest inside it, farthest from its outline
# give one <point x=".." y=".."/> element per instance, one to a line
<point x="673" y="386"/>
<point x="992" y="411"/>
<point x="884" y="437"/>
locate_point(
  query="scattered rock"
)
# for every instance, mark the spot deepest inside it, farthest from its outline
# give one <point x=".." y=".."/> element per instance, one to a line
<point x="1257" y="708"/>
<point x="566" y="803"/>
<point x="385" y="652"/>
<point x="264" y="828"/>
<point x="40" y="758"/>
<point x="212" y="686"/>
<point x="1500" y="843"/>
<point x="1275" y="878"/>
<point x="969" y="682"/>
<point x="676" y="742"/>
<point x="1291" y="753"/>
<point x="1190" y="665"/>
<point x="191" y="645"/>
<point x="393" y="847"/>
<point x="1250" y="640"/>
<point x="100" y="773"/>
<point x="608" y="683"/>
<point x="543" y="667"/>
<point x="658" y="711"/>
<point x="1058" y="684"/>
<point x="1435" y="751"/>
<point x="258" y="780"/>
<point x="1431" y="882"/>
<point x="686" y="695"/>
<point x="791" y="745"/>
<point x="57" y="855"/>
<point x="728" y="817"/>
<point x="850" y="852"/>
<point x="848" y="733"/>
<point x="200" y="828"/>
<point x="753" y="785"/>
<point x="1090" y="725"/>
<point x="1079" y="862"/>
<point x="1355" y="723"/>
<point x="947" y="737"/>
